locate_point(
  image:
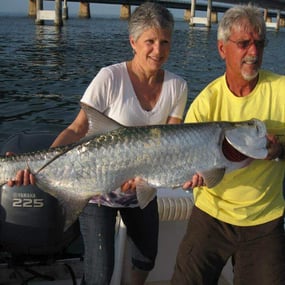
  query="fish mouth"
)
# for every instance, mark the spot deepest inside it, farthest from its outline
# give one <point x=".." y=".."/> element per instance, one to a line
<point x="248" y="139"/>
<point x="247" y="151"/>
<point x="231" y="153"/>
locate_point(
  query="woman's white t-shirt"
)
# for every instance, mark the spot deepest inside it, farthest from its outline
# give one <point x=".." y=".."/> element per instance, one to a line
<point x="112" y="93"/>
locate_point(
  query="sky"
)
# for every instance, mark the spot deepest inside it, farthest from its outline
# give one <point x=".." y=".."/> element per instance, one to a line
<point x="21" y="7"/>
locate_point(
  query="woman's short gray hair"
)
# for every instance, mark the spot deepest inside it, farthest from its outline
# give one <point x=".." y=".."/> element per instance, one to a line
<point x="150" y="15"/>
<point x="234" y="17"/>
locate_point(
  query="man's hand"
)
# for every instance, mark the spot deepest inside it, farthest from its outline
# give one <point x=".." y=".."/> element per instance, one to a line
<point x="275" y="148"/>
<point x="197" y="180"/>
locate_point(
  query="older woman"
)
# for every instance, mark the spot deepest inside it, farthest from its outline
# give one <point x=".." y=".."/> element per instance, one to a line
<point x="135" y="92"/>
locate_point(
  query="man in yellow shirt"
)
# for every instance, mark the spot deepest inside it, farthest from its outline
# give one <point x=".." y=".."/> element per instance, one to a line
<point x="243" y="216"/>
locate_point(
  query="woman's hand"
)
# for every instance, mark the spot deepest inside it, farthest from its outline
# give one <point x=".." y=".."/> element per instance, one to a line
<point x="23" y="177"/>
<point x="129" y="186"/>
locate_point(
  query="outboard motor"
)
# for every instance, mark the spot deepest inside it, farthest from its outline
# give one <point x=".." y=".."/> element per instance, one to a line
<point x="31" y="221"/>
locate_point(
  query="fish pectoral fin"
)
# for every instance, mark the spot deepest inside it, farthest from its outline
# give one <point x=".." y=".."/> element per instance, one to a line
<point x="145" y="193"/>
<point x="213" y="177"/>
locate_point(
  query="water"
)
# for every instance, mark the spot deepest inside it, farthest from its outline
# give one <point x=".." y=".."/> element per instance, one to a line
<point x="46" y="69"/>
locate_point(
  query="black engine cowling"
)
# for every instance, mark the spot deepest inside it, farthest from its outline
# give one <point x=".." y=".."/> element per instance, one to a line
<point x="32" y="221"/>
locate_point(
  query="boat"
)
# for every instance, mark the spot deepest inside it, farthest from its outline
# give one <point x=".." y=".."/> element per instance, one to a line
<point x="34" y="248"/>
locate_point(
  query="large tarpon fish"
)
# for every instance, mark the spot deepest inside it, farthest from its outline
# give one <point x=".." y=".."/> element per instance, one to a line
<point x="162" y="155"/>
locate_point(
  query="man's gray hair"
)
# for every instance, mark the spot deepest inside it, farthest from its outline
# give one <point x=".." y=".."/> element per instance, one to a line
<point x="150" y="15"/>
<point x="234" y="17"/>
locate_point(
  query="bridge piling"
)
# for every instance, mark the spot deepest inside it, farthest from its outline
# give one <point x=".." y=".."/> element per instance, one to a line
<point x="36" y="10"/>
<point x="58" y="13"/>
<point x="201" y="20"/>
<point x="55" y="15"/>
<point x="209" y="12"/>
<point x="187" y="15"/>
<point x="65" y="10"/>
<point x="84" y="10"/>
<point x="125" y="12"/>
<point x="39" y="7"/>
<point x="32" y="8"/>
<point x="268" y="20"/>
<point x="214" y="17"/>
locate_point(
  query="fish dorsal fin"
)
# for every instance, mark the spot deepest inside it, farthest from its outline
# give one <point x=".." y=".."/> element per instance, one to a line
<point x="98" y="122"/>
<point x="213" y="177"/>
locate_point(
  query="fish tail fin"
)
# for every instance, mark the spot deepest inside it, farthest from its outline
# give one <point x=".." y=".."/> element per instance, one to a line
<point x="145" y="193"/>
<point x="71" y="207"/>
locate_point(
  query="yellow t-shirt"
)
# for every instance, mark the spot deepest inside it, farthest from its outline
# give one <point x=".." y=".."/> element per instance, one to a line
<point x="251" y="195"/>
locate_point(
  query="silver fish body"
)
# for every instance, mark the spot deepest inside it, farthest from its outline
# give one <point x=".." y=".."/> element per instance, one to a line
<point x="163" y="155"/>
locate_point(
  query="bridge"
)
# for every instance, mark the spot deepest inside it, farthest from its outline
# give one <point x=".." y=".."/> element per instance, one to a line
<point x="183" y="4"/>
<point x="272" y="9"/>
